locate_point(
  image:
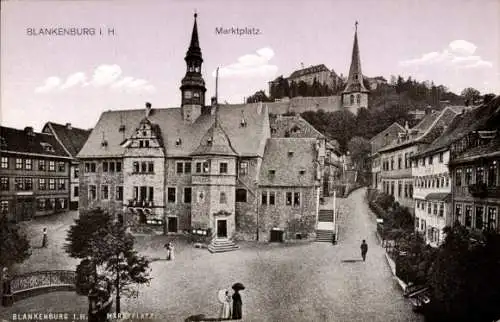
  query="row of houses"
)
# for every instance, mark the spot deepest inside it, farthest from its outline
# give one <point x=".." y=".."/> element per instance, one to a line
<point x="445" y="169"/>
<point x="39" y="172"/>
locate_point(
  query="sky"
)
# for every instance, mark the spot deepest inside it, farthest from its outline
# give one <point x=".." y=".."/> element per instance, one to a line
<point x="139" y="56"/>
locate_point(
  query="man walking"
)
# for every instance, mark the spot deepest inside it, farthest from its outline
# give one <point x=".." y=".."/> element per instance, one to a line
<point x="44" y="238"/>
<point x="364" y="249"/>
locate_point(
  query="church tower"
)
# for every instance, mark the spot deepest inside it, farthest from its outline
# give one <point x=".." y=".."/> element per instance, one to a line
<point x="355" y="94"/>
<point x="192" y="85"/>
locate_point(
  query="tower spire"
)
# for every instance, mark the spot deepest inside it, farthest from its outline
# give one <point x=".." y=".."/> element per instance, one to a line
<point x="355" y="79"/>
<point x="192" y="85"/>
<point x="194" y="45"/>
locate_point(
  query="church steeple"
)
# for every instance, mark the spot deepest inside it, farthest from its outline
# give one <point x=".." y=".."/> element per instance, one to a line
<point x="355" y="94"/>
<point x="193" y="85"/>
<point x="355" y="79"/>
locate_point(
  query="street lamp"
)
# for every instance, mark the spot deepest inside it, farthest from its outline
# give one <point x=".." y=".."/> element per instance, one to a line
<point x="119" y="258"/>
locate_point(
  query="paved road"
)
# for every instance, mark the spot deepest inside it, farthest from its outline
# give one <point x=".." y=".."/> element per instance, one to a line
<point x="285" y="282"/>
<point x="297" y="282"/>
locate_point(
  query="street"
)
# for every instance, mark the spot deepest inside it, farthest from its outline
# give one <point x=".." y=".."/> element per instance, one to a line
<point x="284" y="282"/>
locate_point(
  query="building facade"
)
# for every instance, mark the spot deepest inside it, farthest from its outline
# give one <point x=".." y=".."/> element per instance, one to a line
<point x="214" y="169"/>
<point x="396" y="175"/>
<point x="474" y="165"/>
<point x="34" y="174"/>
<point x="72" y="140"/>
<point x="432" y="194"/>
<point x="380" y="140"/>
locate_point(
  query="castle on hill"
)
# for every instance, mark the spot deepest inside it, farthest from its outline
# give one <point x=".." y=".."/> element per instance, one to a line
<point x="353" y="97"/>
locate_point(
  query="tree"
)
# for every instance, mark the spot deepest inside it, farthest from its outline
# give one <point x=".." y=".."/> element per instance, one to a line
<point x="470" y="94"/>
<point x="359" y="148"/>
<point x="464" y="280"/>
<point x="14" y="246"/>
<point x="97" y="238"/>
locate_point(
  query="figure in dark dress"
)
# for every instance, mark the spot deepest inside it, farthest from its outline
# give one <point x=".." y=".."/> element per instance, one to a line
<point x="364" y="249"/>
<point x="44" y="238"/>
<point x="237" y="305"/>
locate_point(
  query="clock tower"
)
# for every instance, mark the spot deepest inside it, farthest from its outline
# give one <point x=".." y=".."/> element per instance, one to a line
<point x="192" y="85"/>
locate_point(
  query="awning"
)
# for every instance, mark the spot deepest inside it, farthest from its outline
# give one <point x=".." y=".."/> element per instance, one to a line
<point x="439" y="196"/>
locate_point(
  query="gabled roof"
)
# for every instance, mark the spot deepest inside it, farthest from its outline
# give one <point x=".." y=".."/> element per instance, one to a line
<point x="247" y="140"/>
<point x="284" y="125"/>
<point x="431" y="127"/>
<point x="215" y="142"/>
<point x="71" y="138"/>
<point x="14" y="140"/>
<point x="287" y="166"/>
<point x="470" y="120"/>
<point x="395" y="126"/>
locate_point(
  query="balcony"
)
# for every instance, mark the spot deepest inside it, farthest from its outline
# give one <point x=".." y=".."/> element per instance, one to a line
<point x="140" y="203"/>
<point x="478" y="190"/>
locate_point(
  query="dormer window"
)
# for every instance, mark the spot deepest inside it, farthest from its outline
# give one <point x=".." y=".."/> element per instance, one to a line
<point x="243" y="123"/>
<point x="290" y="153"/>
<point x="178" y="142"/>
<point x="122" y="128"/>
<point x="104" y="143"/>
<point x="47" y="147"/>
<point x="302" y="172"/>
<point x="209" y="141"/>
<point x="272" y="172"/>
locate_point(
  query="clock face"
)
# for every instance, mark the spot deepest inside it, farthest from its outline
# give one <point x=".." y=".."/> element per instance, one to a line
<point x="188" y="94"/>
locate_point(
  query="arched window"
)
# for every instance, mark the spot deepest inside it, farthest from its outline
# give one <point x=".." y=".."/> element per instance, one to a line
<point x="355" y="76"/>
<point x="358" y="98"/>
<point x="351" y="99"/>
<point x="241" y="195"/>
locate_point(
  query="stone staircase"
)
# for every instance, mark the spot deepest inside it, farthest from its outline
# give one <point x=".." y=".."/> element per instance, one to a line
<point x="325" y="227"/>
<point x="325" y="215"/>
<point x="218" y="245"/>
<point x="324" y="236"/>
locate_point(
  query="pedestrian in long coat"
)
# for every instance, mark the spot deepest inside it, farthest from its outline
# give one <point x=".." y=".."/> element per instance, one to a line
<point x="237" y="304"/>
<point x="364" y="249"/>
<point x="44" y="238"/>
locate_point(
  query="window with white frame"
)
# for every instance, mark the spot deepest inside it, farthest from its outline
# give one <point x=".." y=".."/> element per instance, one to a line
<point x="19" y="163"/>
<point x="28" y="164"/>
<point x="5" y="163"/>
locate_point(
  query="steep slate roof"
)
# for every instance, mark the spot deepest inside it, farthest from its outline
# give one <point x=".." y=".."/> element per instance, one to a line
<point x="282" y="124"/>
<point x="276" y="157"/>
<point x="245" y="140"/>
<point x="215" y="141"/>
<point x="353" y="84"/>
<point x="14" y="140"/>
<point x="471" y="120"/>
<point x="431" y="127"/>
<point x="72" y="138"/>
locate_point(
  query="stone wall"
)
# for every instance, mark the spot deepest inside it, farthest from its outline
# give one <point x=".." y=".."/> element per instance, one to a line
<point x="99" y="178"/>
<point x="290" y="219"/>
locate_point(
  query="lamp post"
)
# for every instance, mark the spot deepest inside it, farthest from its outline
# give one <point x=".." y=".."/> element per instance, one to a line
<point x="119" y="258"/>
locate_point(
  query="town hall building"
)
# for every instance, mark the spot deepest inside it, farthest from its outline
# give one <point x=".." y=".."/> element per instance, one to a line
<point x="213" y="169"/>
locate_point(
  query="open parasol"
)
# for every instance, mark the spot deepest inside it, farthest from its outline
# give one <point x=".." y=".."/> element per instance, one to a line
<point x="221" y="296"/>
<point x="238" y="286"/>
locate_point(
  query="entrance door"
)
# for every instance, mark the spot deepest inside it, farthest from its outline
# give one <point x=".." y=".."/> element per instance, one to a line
<point x="24" y="209"/>
<point x="221" y="228"/>
<point x="276" y="236"/>
<point x="172" y="224"/>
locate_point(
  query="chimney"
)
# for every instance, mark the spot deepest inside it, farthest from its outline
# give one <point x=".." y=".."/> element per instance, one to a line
<point x="68" y="126"/>
<point x="148" y="109"/>
<point x="29" y="131"/>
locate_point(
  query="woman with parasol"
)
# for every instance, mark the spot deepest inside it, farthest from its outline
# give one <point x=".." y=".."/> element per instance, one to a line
<point x="225" y="299"/>
<point x="237" y="304"/>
